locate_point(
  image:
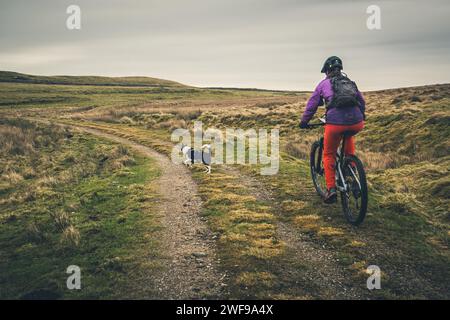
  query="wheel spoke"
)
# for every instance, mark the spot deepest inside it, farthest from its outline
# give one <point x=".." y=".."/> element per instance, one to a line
<point x="355" y="178"/>
<point x="317" y="169"/>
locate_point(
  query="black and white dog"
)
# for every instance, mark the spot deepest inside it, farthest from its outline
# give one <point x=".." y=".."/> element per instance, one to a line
<point x="197" y="156"/>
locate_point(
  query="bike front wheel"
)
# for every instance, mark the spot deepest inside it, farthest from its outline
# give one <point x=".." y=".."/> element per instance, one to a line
<point x="355" y="199"/>
<point x="317" y="170"/>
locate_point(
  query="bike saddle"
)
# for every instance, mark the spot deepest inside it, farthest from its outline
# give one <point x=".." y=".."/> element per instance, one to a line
<point x="349" y="133"/>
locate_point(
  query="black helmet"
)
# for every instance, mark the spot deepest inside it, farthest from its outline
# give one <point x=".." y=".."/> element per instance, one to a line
<point x="331" y="63"/>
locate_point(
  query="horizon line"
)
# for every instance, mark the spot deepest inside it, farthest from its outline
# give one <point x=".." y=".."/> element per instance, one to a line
<point x="217" y="87"/>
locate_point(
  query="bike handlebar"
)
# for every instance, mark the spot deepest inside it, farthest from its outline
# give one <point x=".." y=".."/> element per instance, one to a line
<point x="318" y="124"/>
<point x="314" y="125"/>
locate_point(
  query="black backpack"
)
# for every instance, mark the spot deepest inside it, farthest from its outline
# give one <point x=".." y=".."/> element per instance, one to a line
<point x="345" y="93"/>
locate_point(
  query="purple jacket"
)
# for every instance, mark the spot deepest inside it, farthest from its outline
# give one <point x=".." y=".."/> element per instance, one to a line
<point x="346" y="116"/>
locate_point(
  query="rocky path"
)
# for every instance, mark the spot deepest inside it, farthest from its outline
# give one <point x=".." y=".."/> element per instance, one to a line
<point x="190" y="263"/>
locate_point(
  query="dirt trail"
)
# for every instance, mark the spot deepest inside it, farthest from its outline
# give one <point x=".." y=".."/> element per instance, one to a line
<point x="190" y="262"/>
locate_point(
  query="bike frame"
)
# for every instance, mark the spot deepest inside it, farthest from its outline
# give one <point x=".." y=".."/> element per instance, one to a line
<point x="339" y="163"/>
<point x="339" y="175"/>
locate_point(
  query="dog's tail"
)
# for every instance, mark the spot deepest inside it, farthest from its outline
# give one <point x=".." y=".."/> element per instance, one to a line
<point x="206" y="146"/>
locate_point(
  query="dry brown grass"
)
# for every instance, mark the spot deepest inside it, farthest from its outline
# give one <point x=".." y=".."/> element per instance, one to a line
<point x="187" y="114"/>
<point x="47" y="181"/>
<point x="171" y="124"/>
<point x="381" y="160"/>
<point x="119" y="163"/>
<point x="255" y="278"/>
<point x="12" y="177"/>
<point x="126" y="120"/>
<point x="71" y="236"/>
<point x="61" y="219"/>
<point x="299" y="150"/>
<point x="34" y="232"/>
<point x="119" y="158"/>
<point x="157" y="112"/>
<point x="15" y="140"/>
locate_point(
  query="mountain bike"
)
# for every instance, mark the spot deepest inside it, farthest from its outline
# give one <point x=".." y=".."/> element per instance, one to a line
<point x="350" y="178"/>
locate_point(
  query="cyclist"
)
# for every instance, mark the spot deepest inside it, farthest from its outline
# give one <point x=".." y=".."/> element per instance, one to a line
<point x="345" y="112"/>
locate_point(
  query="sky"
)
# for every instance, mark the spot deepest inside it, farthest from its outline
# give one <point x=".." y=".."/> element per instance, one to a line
<point x="270" y="44"/>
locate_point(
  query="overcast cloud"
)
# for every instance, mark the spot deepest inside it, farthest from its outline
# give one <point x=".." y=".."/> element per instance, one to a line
<point x="276" y="44"/>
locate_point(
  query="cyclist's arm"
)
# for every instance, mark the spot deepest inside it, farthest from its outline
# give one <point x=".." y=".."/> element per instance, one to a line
<point x="313" y="103"/>
<point x="362" y="104"/>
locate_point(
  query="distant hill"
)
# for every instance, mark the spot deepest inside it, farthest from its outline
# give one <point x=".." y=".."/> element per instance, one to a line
<point x="15" y="77"/>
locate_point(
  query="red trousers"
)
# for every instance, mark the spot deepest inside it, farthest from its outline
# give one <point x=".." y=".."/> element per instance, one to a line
<point x="332" y="139"/>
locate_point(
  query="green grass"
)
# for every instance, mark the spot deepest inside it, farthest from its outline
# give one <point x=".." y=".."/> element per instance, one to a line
<point x="107" y="202"/>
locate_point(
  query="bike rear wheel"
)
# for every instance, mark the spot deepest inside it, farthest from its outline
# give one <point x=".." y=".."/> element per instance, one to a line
<point x="317" y="170"/>
<point x="355" y="199"/>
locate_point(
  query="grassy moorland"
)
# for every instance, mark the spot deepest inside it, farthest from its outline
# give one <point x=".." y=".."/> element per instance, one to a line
<point x="275" y="237"/>
<point x="69" y="199"/>
<point x="14" y="77"/>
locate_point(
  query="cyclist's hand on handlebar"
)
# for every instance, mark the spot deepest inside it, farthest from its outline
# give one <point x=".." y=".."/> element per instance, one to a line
<point x="304" y="125"/>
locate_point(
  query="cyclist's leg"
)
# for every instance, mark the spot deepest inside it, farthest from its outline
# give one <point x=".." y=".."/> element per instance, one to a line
<point x="350" y="141"/>
<point x="332" y="138"/>
<point x="349" y="146"/>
